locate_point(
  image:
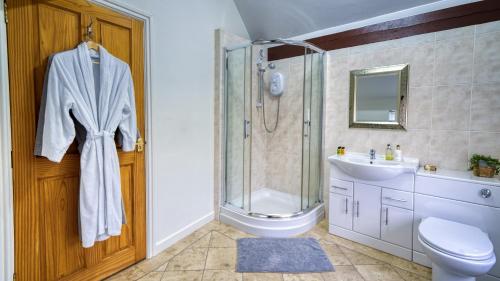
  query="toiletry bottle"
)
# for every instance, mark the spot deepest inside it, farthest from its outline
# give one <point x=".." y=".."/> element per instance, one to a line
<point x="339" y="151"/>
<point x="388" y="153"/>
<point x="342" y="150"/>
<point x="398" y="154"/>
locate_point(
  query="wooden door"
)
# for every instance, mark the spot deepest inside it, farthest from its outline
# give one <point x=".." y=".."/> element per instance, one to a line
<point x="47" y="245"/>
<point x="367" y="204"/>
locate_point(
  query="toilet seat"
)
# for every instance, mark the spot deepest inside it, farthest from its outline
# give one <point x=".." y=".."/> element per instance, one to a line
<point x="456" y="239"/>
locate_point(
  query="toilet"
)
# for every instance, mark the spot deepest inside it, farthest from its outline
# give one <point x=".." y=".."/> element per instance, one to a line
<point x="458" y="252"/>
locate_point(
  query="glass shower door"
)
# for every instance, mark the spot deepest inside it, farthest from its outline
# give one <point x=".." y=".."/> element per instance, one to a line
<point x="237" y="128"/>
<point x="312" y="130"/>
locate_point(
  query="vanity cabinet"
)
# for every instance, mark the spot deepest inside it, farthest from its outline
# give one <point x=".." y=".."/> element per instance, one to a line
<point x="378" y="214"/>
<point x="385" y="212"/>
<point x="366" y="213"/>
<point x="371" y="211"/>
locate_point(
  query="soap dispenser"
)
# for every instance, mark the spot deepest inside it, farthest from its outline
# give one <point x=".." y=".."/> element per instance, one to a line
<point x="398" y="154"/>
<point x="388" y="153"/>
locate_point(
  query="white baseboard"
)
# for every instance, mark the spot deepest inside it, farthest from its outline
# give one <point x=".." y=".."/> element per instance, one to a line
<point x="421" y="259"/>
<point x="168" y="241"/>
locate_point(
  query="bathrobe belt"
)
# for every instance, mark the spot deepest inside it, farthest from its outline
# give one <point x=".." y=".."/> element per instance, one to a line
<point x="100" y="134"/>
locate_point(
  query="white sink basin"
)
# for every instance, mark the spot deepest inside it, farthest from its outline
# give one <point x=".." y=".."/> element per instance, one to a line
<point x="359" y="165"/>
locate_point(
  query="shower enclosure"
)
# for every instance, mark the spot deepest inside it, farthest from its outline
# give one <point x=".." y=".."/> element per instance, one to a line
<point x="273" y="113"/>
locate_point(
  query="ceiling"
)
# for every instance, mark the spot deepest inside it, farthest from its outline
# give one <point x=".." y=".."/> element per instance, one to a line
<point x="269" y="19"/>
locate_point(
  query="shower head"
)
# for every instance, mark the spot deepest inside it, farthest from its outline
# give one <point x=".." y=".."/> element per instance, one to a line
<point x="271" y="65"/>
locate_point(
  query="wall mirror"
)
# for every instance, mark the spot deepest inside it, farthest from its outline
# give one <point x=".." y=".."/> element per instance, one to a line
<point x="378" y="97"/>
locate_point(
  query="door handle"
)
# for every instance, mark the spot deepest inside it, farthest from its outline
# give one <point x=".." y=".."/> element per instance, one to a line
<point x="346" y="202"/>
<point x="246" y="129"/>
<point x="307" y="124"/>
<point x="342" y="188"/>
<point x="386" y="216"/>
<point x="357" y="209"/>
<point x="139" y="145"/>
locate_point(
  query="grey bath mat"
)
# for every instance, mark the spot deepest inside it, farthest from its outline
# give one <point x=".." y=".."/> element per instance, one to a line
<point x="291" y="255"/>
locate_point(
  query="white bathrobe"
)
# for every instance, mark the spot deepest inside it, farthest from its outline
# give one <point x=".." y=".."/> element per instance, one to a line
<point x="100" y="107"/>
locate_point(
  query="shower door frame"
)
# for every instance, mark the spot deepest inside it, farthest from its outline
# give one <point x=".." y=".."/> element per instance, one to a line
<point x="224" y="192"/>
<point x="224" y="200"/>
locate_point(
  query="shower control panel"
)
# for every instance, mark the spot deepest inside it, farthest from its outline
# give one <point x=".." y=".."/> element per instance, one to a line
<point x="277" y="84"/>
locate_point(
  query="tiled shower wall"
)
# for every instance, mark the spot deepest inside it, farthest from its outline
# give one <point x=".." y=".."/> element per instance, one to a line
<point x="277" y="156"/>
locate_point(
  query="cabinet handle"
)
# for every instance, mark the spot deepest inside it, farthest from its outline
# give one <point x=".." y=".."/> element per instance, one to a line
<point x="346" y="211"/>
<point x="386" y="216"/>
<point x="395" y="199"/>
<point x="357" y="209"/>
<point x="342" y="188"/>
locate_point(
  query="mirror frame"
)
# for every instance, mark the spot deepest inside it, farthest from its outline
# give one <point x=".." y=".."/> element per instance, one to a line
<point x="402" y="70"/>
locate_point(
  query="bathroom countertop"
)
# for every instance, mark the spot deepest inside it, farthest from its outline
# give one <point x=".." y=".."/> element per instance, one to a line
<point x="458" y="175"/>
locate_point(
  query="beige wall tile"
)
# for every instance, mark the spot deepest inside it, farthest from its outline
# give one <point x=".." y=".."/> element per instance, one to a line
<point x="453" y="61"/>
<point x="484" y="143"/>
<point x="467" y="31"/>
<point x="414" y="41"/>
<point x="449" y="149"/>
<point x="419" y="108"/>
<point x="485" y="108"/>
<point x="488" y="27"/>
<point x="451" y="107"/>
<point x="421" y="60"/>
<point x="487" y="58"/>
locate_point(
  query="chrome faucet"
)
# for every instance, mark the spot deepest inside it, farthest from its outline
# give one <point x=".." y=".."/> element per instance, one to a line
<point x="372" y="154"/>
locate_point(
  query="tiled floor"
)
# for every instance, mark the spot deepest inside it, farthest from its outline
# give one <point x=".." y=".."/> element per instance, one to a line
<point x="210" y="254"/>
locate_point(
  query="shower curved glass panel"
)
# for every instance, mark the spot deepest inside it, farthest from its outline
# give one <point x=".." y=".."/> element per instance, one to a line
<point x="273" y="120"/>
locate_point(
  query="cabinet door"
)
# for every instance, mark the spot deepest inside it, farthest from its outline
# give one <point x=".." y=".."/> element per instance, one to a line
<point x="341" y="210"/>
<point x="397" y="225"/>
<point x="366" y="209"/>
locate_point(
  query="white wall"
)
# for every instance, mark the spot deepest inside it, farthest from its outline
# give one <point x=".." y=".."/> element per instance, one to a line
<point x="182" y="110"/>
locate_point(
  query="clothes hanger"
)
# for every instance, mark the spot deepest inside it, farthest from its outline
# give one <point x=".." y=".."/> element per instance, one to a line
<point x="92" y="45"/>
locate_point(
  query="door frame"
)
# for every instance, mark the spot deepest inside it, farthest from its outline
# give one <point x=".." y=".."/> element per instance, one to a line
<point x="6" y="186"/>
<point x="6" y="192"/>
